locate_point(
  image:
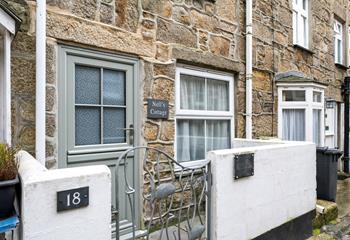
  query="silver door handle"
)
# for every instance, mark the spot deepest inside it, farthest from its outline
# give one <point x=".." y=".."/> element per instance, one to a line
<point x="130" y="133"/>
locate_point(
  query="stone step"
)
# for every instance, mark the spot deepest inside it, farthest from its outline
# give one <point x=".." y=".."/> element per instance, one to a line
<point x="326" y="212"/>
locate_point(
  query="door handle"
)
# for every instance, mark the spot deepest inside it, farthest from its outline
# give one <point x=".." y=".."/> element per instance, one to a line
<point x="130" y="130"/>
<point x="130" y="133"/>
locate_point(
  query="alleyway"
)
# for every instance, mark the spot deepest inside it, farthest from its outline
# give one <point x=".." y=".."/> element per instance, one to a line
<point x="341" y="230"/>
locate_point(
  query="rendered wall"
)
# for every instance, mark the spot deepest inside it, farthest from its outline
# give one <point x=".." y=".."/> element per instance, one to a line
<point x="39" y="217"/>
<point x="283" y="188"/>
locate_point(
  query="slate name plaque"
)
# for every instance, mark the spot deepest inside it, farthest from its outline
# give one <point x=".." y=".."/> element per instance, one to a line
<point x="157" y="108"/>
<point x="72" y="199"/>
<point x="243" y="165"/>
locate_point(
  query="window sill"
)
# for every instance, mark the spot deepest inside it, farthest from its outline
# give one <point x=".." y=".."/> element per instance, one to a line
<point x="296" y="46"/>
<point x="341" y="66"/>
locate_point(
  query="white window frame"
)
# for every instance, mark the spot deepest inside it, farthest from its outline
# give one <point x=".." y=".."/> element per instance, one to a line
<point x="338" y="36"/>
<point x="7" y="29"/>
<point x="203" y="114"/>
<point x="301" y="34"/>
<point x="308" y="105"/>
<point x="348" y="45"/>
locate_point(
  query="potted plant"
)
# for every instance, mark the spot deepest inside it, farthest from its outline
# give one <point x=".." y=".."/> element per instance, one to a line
<point x="8" y="180"/>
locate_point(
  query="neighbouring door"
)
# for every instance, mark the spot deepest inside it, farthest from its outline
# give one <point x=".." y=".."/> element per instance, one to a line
<point x="97" y="115"/>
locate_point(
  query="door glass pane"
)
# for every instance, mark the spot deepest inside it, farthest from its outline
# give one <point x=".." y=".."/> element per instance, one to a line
<point x="190" y="140"/>
<point x="192" y="92"/>
<point x="217" y="95"/>
<point x="316" y="126"/>
<point x="87" y="85"/>
<point x="87" y="125"/>
<point x="293" y="95"/>
<point x="218" y="134"/>
<point x="293" y="121"/>
<point x="113" y="122"/>
<point x="113" y="87"/>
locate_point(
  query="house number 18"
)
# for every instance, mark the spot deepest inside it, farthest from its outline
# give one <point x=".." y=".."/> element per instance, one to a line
<point x="76" y="199"/>
<point x="72" y="199"/>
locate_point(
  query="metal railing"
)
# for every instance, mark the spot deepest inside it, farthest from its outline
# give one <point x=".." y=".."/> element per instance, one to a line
<point x="175" y="198"/>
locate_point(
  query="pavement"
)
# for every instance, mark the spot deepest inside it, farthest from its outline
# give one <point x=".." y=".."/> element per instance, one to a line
<point x="340" y="229"/>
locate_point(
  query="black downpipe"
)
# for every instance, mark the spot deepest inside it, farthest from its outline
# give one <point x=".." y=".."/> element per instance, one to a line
<point x="346" y="92"/>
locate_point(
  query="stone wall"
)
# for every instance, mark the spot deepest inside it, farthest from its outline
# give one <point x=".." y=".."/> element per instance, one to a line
<point x="164" y="33"/>
<point x="161" y="33"/>
<point x="274" y="53"/>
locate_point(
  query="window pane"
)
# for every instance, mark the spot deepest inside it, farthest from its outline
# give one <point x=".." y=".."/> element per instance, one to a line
<point x="304" y="33"/>
<point x="192" y="92"/>
<point x="317" y="97"/>
<point x="218" y="134"/>
<point x="293" y="95"/>
<point x="316" y="126"/>
<point x="339" y="49"/>
<point x="304" y="4"/>
<point x="87" y="85"/>
<point x="113" y="87"/>
<point x="87" y="125"/>
<point x="190" y="140"/>
<point x="217" y="95"/>
<point x="113" y="121"/>
<point x="293" y="124"/>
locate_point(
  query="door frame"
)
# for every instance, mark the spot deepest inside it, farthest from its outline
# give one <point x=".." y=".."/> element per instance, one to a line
<point x="62" y="125"/>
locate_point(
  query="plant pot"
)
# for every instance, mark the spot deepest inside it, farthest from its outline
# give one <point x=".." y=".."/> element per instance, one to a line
<point x="7" y="197"/>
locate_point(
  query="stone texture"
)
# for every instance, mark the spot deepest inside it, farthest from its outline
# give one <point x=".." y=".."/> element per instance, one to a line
<point x="51" y="125"/>
<point x="107" y="13"/>
<point x="175" y="33"/>
<point x="50" y="98"/>
<point x="163" y="88"/>
<point x="167" y="132"/>
<point x="77" y="30"/>
<point x="150" y="131"/>
<point x="85" y="8"/>
<point x="182" y="15"/>
<point x="165" y="70"/>
<point x="219" y="45"/>
<point x="199" y="58"/>
<point x="127" y="14"/>
<point x="204" y="21"/>
<point x="159" y="7"/>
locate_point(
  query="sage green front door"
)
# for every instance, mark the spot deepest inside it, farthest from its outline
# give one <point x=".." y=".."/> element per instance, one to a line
<point x="97" y="115"/>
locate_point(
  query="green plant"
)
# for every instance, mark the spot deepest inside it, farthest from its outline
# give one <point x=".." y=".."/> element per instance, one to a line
<point x="8" y="162"/>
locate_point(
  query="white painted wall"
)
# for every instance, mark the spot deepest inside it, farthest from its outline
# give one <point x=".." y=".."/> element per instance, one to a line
<point x="283" y="187"/>
<point x="39" y="217"/>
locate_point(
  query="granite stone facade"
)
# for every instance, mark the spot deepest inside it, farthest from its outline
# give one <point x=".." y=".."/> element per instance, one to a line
<point x="163" y="34"/>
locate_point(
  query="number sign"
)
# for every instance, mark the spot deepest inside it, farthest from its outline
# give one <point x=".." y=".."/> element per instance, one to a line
<point x="72" y="199"/>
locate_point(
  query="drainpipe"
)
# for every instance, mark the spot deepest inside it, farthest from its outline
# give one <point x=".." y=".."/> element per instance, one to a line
<point x="346" y="92"/>
<point x="249" y="68"/>
<point x="40" y="123"/>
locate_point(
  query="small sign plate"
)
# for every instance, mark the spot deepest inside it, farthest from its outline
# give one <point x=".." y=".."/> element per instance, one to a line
<point x="157" y="108"/>
<point x="243" y="165"/>
<point x="72" y="199"/>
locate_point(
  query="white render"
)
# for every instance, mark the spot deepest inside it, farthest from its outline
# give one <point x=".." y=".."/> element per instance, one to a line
<point x="283" y="188"/>
<point x="39" y="217"/>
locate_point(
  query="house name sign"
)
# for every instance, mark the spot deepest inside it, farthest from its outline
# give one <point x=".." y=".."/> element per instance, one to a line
<point x="157" y="108"/>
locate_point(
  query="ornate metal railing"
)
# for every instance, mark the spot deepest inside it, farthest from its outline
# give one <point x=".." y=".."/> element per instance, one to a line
<point x="175" y="197"/>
